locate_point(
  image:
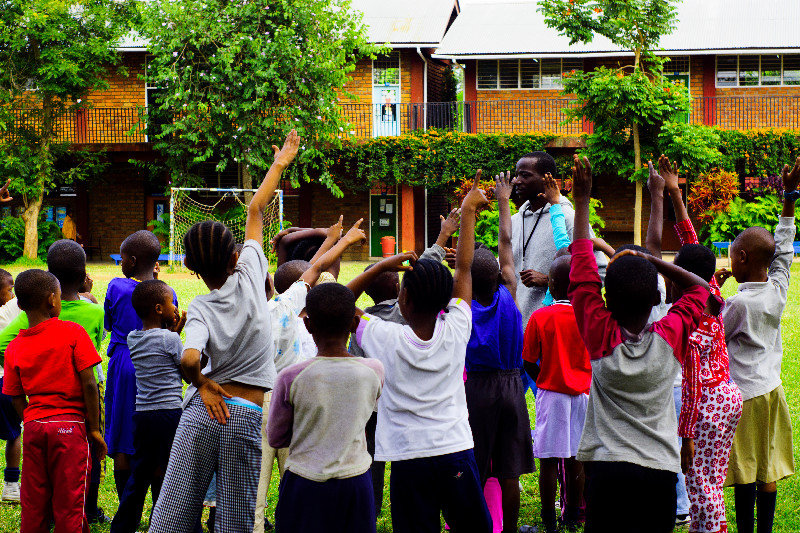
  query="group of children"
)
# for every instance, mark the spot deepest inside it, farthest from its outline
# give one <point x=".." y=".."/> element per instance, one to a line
<point x="429" y="378"/>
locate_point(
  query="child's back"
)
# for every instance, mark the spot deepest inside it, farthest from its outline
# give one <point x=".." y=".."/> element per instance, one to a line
<point x="156" y="356"/>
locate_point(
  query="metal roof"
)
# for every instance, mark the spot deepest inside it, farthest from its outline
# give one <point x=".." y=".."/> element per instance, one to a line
<point x="132" y="42"/>
<point x="406" y="22"/>
<point x="518" y="29"/>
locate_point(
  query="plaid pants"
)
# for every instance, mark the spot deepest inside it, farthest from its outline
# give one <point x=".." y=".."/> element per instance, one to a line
<point x="201" y="447"/>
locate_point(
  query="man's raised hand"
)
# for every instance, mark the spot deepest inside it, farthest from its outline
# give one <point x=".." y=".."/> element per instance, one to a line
<point x="4" y="194"/>
<point x="581" y="178"/>
<point x="668" y="171"/>
<point x="286" y="155"/>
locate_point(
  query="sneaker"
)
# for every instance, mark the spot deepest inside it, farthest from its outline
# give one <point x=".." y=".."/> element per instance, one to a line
<point x="682" y="520"/>
<point x="10" y="492"/>
<point x="99" y="518"/>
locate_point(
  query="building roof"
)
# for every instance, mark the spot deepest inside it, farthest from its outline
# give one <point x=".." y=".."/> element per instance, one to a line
<point x="406" y="22"/>
<point x="704" y="26"/>
<point x="132" y="42"/>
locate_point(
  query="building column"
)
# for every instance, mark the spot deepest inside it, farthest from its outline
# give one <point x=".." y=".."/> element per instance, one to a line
<point x="304" y="200"/>
<point x="709" y="90"/>
<point x="471" y="95"/>
<point x="407" y="229"/>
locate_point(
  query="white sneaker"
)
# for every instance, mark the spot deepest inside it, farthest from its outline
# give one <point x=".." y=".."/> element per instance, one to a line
<point x="10" y="492"/>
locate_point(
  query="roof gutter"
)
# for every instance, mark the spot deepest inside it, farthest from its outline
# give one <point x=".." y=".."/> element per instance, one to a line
<point x="424" y="89"/>
<point x="620" y="53"/>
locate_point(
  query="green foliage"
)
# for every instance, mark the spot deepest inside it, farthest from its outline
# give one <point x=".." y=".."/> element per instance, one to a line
<point x="696" y="148"/>
<point x="235" y="74"/>
<point x="740" y="215"/>
<point x="12" y="238"/>
<point x="487" y="226"/>
<point x="758" y="153"/>
<point x="431" y="158"/>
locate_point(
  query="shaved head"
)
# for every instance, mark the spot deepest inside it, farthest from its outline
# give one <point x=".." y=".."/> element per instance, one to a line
<point x="758" y="244"/>
<point x="559" y="277"/>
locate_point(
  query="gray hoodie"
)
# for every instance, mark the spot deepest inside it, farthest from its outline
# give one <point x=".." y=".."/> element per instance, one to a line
<point x="540" y="250"/>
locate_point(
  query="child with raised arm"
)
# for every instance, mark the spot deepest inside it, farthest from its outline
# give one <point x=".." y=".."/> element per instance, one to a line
<point x="628" y="445"/>
<point x="220" y="428"/>
<point x="139" y="253"/>
<point x="292" y="281"/>
<point x="762" y="446"/>
<point x="498" y="415"/>
<point x="156" y="354"/>
<point x="711" y="403"/>
<point x="423" y="426"/>
<point x="319" y="410"/>
<point x="49" y="370"/>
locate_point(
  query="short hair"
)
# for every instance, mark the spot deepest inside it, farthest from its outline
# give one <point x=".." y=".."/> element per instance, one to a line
<point x="147" y="294"/>
<point x="698" y="260"/>
<point x="634" y="247"/>
<point x="485" y="272"/>
<point x="384" y="286"/>
<point x="5" y="274"/>
<point x="66" y="260"/>
<point x="429" y="285"/>
<point x="331" y="308"/>
<point x="543" y="163"/>
<point x="304" y="249"/>
<point x="559" y="276"/>
<point x="633" y="280"/>
<point x="209" y="246"/>
<point x="144" y="246"/>
<point x="33" y="287"/>
<point x="758" y="243"/>
<point x="288" y="273"/>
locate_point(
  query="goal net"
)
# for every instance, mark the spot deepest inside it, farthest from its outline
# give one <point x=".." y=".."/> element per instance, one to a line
<point x="187" y="206"/>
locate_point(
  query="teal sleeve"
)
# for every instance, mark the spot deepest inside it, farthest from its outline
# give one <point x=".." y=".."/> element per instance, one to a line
<point x="548" y="299"/>
<point x="559" y="224"/>
<point x="10" y="332"/>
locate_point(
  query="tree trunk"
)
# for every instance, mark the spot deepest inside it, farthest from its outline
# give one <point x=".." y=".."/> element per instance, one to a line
<point x="31" y="218"/>
<point x="247" y="183"/>
<point x="637" y="205"/>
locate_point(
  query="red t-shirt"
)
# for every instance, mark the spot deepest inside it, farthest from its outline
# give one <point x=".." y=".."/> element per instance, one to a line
<point x="43" y="363"/>
<point x="552" y="336"/>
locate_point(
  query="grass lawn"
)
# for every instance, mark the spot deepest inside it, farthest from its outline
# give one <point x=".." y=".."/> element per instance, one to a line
<point x="187" y="286"/>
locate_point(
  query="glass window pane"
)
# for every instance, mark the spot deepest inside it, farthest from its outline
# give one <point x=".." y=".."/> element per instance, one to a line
<point x="529" y="74"/>
<point x="570" y="65"/>
<point x="487" y="74"/>
<point x="748" y="70"/>
<point x="551" y="74"/>
<point x="677" y="65"/>
<point x="791" y="70"/>
<point x="726" y="71"/>
<point x="386" y="69"/>
<point x="770" y="70"/>
<point x="509" y="73"/>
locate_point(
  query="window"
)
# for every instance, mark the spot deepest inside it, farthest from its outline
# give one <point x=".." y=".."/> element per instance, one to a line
<point x="758" y="70"/>
<point x="524" y="73"/>
<point x="676" y="66"/>
<point x="386" y="69"/>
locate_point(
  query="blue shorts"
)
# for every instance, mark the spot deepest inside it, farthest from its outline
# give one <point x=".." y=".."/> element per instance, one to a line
<point x="10" y="424"/>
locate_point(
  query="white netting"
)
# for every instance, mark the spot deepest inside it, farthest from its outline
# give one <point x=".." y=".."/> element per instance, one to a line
<point x="189" y="206"/>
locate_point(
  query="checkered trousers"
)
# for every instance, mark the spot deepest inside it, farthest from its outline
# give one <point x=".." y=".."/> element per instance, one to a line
<point x="201" y="447"/>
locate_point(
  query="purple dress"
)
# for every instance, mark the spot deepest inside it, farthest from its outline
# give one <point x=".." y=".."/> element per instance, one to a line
<point x="120" y="395"/>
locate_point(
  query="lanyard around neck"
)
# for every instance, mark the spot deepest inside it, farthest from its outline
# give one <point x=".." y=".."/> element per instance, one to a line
<point x="525" y="242"/>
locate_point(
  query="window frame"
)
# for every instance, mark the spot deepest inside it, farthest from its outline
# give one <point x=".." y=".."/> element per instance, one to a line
<point x="399" y="71"/>
<point x="737" y="76"/>
<point x="519" y="74"/>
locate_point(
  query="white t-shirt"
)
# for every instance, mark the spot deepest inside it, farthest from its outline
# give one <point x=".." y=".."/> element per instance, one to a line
<point x="423" y="409"/>
<point x="232" y="326"/>
<point x="293" y="342"/>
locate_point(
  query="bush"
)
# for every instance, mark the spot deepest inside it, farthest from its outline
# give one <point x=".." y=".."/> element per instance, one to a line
<point x="711" y="194"/>
<point x="740" y="215"/>
<point x="12" y="237"/>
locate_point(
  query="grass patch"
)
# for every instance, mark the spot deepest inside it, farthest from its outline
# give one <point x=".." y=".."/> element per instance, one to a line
<point x="787" y="517"/>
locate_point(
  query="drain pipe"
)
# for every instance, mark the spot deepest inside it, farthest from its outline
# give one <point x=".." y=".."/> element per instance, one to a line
<point x="424" y="88"/>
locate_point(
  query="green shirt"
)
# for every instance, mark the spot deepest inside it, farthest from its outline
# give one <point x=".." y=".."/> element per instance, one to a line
<point x="83" y="313"/>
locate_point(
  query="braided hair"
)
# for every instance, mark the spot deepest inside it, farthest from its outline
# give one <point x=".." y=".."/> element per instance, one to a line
<point x="209" y="246"/>
<point x="429" y="286"/>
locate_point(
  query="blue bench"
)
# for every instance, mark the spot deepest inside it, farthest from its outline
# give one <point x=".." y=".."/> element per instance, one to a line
<point x="726" y="245"/>
<point x="117" y="258"/>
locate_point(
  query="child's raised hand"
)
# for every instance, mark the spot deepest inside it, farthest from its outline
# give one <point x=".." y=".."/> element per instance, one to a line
<point x="355" y="234"/>
<point x="581" y="178"/>
<point x="791" y="177"/>
<point x="4" y="194"/>
<point x="551" y="191"/>
<point x="286" y="155"/>
<point x="502" y="187"/>
<point x="668" y="171"/>
<point x="476" y="198"/>
<point x="395" y="263"/>
<point x="450" y="257"/>
<point x="449" y="225"/>
<point x="335" y="231"/>
<point x="722" y="275"/>
<point x="655" y="182"/>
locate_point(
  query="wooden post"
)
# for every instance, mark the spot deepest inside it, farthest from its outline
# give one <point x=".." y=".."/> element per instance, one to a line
<point x="407" y="235"/>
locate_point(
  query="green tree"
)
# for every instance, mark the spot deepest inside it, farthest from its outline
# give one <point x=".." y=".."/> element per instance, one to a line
<point x="237" y="75"/>
<point x="628" y="105"/>
<point x="52" y="54"/>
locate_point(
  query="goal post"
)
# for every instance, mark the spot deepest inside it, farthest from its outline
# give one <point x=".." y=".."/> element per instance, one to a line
<point x="222" y="205"/>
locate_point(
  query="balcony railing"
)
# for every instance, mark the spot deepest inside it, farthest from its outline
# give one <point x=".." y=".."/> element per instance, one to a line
<point x="128" y="125"/>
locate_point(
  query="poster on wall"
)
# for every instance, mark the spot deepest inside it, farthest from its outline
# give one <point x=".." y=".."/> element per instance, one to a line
<point x="49" y="213"/>
<point x="61" y="214"/>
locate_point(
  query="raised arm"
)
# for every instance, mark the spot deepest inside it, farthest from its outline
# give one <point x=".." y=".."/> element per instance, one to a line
<point x="502" y="192"/>
<point x="557" y="219"/>
<point x="669" y="171"/>
<point x="449" y="226"/>
<point x="283" y="244"/>
<point x="462" y="279"/>
<point x="680" y="277"/>
<point x="254" y="227"/>
<point x="391" y="264"/>
<point x="655" y="228"/>
<point x="791" y="178"/>
<point x="353" y="236"/>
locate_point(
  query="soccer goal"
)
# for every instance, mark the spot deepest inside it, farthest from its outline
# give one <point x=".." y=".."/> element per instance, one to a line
<point x="187" y="206"/>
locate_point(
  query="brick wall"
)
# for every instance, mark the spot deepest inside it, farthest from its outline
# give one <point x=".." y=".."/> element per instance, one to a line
<point x="124" y="90"/>
<point x="436" y="84"/>
<point x="116" y="207"/>
<point x="326" y="208"/>
<point x="522" y="111"/>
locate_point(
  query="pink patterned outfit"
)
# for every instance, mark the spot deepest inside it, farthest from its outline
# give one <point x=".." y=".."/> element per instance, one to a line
<point x="712" y="406"/>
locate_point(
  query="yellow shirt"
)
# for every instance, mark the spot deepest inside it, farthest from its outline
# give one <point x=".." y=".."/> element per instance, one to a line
<point x="69" y="230"/>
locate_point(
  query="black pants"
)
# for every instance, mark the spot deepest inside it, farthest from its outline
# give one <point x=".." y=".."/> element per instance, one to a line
<point x="378" y="468"/>
<point x="627" y="498"/>
<point x="153" y="432"/>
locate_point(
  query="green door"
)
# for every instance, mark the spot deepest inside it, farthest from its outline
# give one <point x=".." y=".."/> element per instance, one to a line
<point x="383" y="221"/>
<point x="680" y="79"/>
